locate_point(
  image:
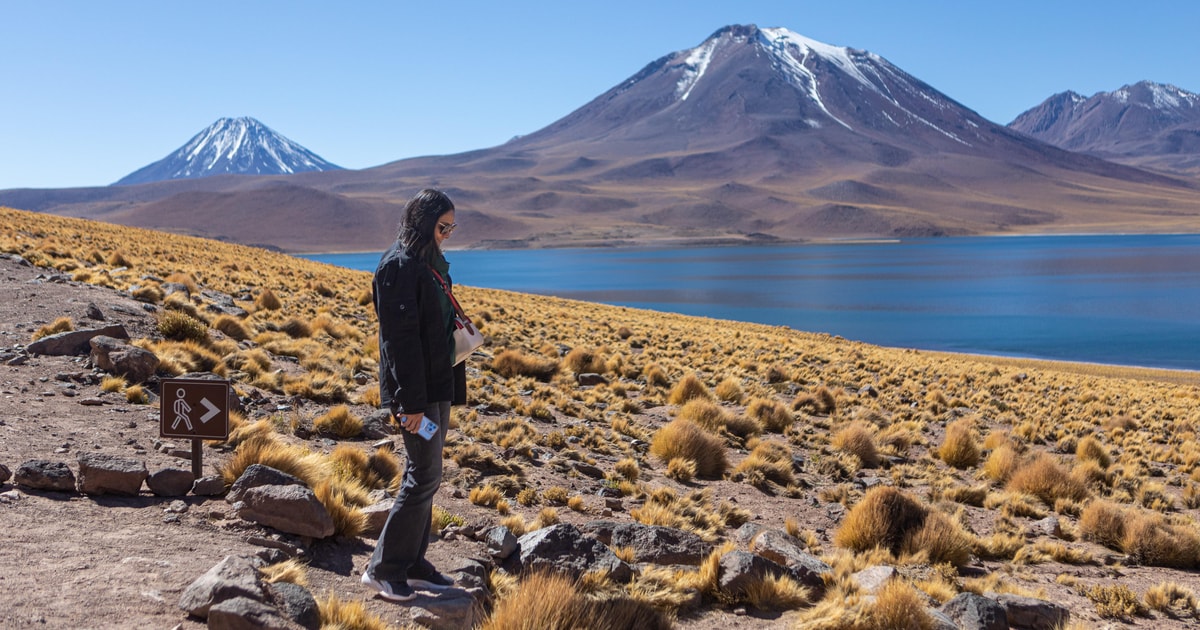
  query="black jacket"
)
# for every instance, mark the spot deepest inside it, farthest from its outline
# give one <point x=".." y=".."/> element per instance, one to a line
<point x="414" y="348"/>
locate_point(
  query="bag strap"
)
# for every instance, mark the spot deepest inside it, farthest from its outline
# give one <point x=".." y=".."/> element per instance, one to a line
<point x="446" y="288"/>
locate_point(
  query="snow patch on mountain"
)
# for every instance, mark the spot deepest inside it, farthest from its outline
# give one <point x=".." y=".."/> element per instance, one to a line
<point x="694" y="66"/>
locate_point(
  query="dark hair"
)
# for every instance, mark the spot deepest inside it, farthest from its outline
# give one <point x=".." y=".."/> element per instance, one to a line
<point x="420" y="219"/>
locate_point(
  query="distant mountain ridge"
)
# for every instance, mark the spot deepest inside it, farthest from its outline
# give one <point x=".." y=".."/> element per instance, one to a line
<point x="232" y="146"/>
<point x="755" y="135"/>
<point x="1145" y="124"/>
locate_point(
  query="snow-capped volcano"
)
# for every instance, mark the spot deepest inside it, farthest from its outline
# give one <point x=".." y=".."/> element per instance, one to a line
<point x="238" y="146"/>
<point x="1150" y="124"/>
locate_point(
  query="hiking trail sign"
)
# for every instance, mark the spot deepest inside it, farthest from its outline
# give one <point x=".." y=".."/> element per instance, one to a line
<point x="194" y="408"/>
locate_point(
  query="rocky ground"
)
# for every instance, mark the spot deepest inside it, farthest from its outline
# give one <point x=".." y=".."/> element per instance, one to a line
<point x="82" y="561"/>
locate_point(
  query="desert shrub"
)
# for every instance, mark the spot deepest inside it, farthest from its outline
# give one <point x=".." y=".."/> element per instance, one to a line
<point x="682" y="438"/>
<point x="773" y="416"/>
<point x="940" y="539"/>
<point x="1103" y="522"/>
<point x="179" y="326"/>
<point x="705" y="413"/>
<point x="1090" y="449"/>
<point x="655" y="375"/>
<point x="958" y="448"/>
<point x="729" y="390"/>
<point x="62" y="324"/>
<point x="185" y="279"/>
<point x="898" y="605"/>
<point x="336" y="613"/>
<point x="268" y="301"/>
<point x="338" y="499"/>
<point x="263" y="449"/>
<point x="136" y="394"/>
<point x="628" y="468"/>
<point x="821" y="402"/>
<point x="1172" y="599"/>
<point x="681" y="469"/>
<point x="550" y="600"/>
<point x="113" y="383"/>
<point x="769" y="461"/>
<point x="584" y="361"/>
<point x="149" y="294"/>
<point x="689" y="387"/>
<point x="487" y="495"/>
<point x="512" y="363"/>
<point x="291" y="571"/>
<point x="1115" y="601"/>
<point x="1001" y="463"/>
<point x="857" y="439"/>
<point x="232" y="327"/>
<point x="743" y="426"/>
<point x="884" y="518"/>
<point x="296" y="328"/>
<point x="1152" y="541"/>
<point x="1042" y="477"/>
<point x="339" y="421"/>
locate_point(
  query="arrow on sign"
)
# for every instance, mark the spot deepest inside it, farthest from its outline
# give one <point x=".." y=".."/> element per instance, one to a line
<point x="212" y="410"/>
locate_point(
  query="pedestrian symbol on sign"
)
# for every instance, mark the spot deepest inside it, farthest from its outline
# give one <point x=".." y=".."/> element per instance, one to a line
<point x="182" y="408"/>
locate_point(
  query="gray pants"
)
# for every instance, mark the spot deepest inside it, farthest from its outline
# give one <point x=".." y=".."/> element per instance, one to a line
<point x="405" y="535"/>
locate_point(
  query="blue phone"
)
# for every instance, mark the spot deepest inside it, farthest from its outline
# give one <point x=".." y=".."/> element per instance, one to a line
<point x="428" y="428"/>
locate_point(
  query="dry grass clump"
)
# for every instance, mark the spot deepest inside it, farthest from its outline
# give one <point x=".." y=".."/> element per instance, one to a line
<point x="179" y="326"/>
<point x="268" y="301"/>
<point x="684" y="439"/>
<point x="898" y="605"/>
<point x="1090" y="449"/>
<point x="690" y="387"/>
<point x="858" y="439"/>
<point x="513" y="363"/>
<point x="958" y="448"/>
<point x="339" y="421"/>
<point x="351" y="615"/>
<point x="1001" y="463"/>
<point x="1152" y="540"/>
<point x="548" y="600"/>
<point x="772" y="415"/>
<point x="1116" y="601"/>
<point x="770" y="461"/>
<point x="585" y="361"/>
<point x="62" y="324"/>
<point x="821" y="402"/>
<point x="1172" y="599"/>
<point x="232" y="327"/>
<point x="729" y="390"/>
<point x="705" y="413"/>
<point x="885" y="517"/>
<point x="1042" y="477"/>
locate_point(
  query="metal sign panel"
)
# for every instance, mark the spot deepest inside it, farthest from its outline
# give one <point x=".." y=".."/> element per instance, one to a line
<point x="194" y="408"/>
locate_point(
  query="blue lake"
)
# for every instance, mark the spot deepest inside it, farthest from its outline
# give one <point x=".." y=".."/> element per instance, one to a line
<point x="1125" y="299"/>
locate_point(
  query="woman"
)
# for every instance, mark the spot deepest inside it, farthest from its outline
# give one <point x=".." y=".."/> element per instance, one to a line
<point x="417" y="380"/>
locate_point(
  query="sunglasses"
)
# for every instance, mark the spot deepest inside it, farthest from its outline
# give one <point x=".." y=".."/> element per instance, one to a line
<point x="446" y="228"/>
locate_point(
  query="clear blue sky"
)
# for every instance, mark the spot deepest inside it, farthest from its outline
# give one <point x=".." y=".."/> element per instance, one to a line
<point x="95" y="90"/>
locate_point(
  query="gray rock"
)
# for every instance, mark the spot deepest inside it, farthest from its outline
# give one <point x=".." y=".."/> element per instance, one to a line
<point x="1048" y="526"/>
<point x="292" y="509"/>
<point x="378" y="424"/>
<point x="72" y="342"/>
<point x="740" y="569"/>
<point x="562" y="548"/>
<point x="471" y="574"/>
<point x="975" y="612"/>
<point x="376" y="517"/>
<point x="1030" y="613"/>
<point x="209" y="486"/>
<point x="112" y="355"/>
<point x="871" y="579"/>
<point x="257" y="475"/>
<point x="171" y="482"/>
<point x="296" y="603"/>
<point x="40" y="474"/>
<point x="781" y="548"/>
<point x="660" y="545"/>
<point x="100" y="473"/>
<point x="94" y="312"/>
<point x="5" y="474"/>
<point x="940" y="620"/>
<point x="746" y="533"/>
<point x="501" y="543"/>
<point x="235" y="576"/>
<point x="451" y="609"/>
<point x="588" y="379"/>
<point x="243" y="613"/>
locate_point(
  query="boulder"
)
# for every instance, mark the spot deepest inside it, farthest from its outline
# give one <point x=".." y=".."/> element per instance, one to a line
<point x="293" y="509"/>
<point x="451" y="609"/>
<point x="296" y="603"/>
<point x="781" y="548"/>
<point x="40" y="474"/>
<point x="112" y="355"/>
<point x="871" y="579"/>
<point x="5" y="474"/>
<point x="738" y="570"/>
<point x="208" y="486"/>
<point x="171" y="482"/>
<point x="243" y="613"/>
<point x="257" y="475"/>
<point x="235" y="576"/>
<point x="975" y="612"/>
<point x="652" y="543"/>
<point x="501" y="543"/>
<point x="73" y="342"/>
<point x="376" y="516"/>
<point x="1029" y="613"/>
<point x="100" y="473"/>
<point x="562" y="548"/>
